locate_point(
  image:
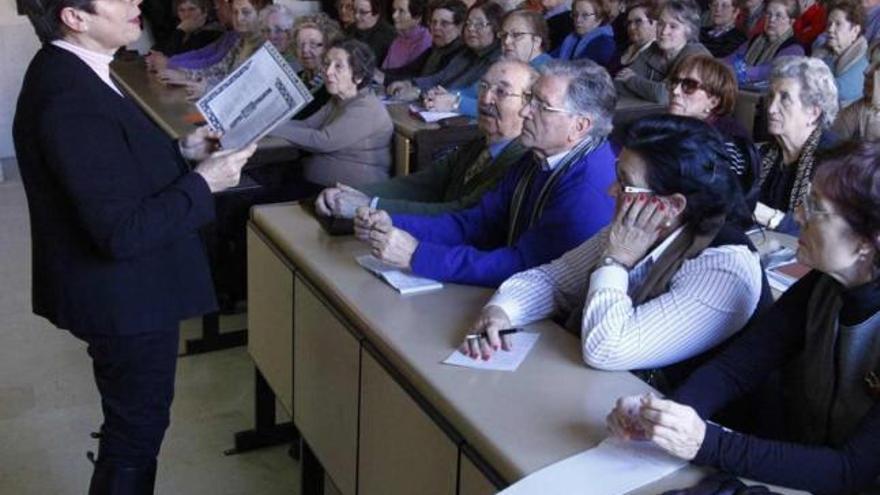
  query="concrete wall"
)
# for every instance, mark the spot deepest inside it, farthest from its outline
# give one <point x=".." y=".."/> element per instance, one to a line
<point x="18" y="43"/>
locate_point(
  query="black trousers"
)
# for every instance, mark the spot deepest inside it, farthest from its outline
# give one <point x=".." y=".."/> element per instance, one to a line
<point x="135" y="377"/>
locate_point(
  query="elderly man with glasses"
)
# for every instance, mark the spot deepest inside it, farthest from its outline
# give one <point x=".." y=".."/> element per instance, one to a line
<point x="460" y="179"/>
<point x="550" y="201"/>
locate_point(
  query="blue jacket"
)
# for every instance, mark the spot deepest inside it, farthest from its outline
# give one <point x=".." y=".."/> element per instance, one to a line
<point x="597" y="45"/>
<point x="470" y="246"/>
<point x="114" y="210"/>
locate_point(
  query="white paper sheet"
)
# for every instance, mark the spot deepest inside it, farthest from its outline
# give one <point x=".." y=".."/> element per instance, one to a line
<point x="613" y="467"/>
<point x="405" y="283"/>
<point x="254" y="98"/>
<point x="501" y="360"/>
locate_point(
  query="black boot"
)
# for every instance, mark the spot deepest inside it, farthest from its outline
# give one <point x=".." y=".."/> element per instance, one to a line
<point x="115" y="480"/>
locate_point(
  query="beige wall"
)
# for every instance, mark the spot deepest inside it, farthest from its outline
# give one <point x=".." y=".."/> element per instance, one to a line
<point x="17" y="46"/>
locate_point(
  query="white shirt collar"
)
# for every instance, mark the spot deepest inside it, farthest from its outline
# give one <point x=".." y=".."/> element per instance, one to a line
<point x="97" y="61"/>
<point x="553" y="161"/>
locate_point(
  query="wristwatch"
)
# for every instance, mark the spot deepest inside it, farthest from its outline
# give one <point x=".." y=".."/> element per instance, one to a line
<point x="610" y="261"/>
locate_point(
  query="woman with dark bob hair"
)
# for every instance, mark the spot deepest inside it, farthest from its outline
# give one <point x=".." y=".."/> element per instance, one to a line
<point x="823" y="334"/>
<point x="704" y="88"/>
<point x="349" y="138"/>
<point x="673" y="276"/>
<point x="115" y="213"/>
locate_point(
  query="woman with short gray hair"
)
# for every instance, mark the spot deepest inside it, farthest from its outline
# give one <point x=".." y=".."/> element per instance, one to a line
<point x="801" y="105"/>
<point x="276" y="25"/>
<point x="312" y="34"/>
<point x="678" y="28"/>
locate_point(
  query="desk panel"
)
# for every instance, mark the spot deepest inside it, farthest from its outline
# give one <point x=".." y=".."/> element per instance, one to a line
<point x="402" y="451"/>
<point x="471" y="480"/>
<point x="270" y="317"/>
<point x="326" y="378"/>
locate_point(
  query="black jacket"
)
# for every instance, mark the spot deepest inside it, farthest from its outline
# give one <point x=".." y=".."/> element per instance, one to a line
<point x="114" y="209"/>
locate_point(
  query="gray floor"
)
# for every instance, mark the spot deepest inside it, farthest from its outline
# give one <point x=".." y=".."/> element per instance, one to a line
<point x="49" y="404"/>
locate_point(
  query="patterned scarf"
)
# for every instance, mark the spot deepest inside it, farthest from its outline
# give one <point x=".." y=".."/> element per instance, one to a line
<point x="762" y="50"/>
<point x="515" y="226"/>
<point x="804" y="166"/>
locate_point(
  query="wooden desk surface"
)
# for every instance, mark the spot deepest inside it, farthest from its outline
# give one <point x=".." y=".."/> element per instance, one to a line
<point x="174" y="114"/>
<point x="404" y="122"/>
<point x="550" y="408"/>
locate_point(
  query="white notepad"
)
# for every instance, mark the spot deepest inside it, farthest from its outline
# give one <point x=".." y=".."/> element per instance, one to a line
<point x="613" y="467"/>
<point x="500" y="360"/>
<point x="404" y="283"/>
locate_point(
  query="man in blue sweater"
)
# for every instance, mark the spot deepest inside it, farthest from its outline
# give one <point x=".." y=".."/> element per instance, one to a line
<point x="550" y="201"/>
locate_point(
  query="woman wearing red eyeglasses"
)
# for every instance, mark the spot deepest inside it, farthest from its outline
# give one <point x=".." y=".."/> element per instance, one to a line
<point x="705" y="88"/>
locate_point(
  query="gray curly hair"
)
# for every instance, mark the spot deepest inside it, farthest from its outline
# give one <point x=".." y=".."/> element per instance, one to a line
<point x="285" y="14"/>
<point x="323" y="23"/>
<point x="687" y="12"/>
<point x="817" y="84"/>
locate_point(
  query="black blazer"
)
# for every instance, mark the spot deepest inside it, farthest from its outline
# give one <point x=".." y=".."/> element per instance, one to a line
<point x="114" y="210"/>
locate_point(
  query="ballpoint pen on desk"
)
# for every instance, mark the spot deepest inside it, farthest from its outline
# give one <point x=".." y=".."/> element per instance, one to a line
<point x="501" y="333"/>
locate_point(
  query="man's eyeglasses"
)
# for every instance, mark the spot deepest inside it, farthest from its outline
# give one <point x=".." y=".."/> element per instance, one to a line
<point x="688" y="86"/>
<point x="499" y="91"/>
<point x="516" y="35"/>
<point x="532" y="101"/>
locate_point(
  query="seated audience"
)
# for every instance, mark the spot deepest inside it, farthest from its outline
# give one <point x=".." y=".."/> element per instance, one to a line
<point x="201" y="57"/>
<point x="722" y="37"/>
<point x="559" y="21"/>
<point x="592" y="38"/>
<point x="672" y="277"/>
<point x="458" y="180"/>
<point x="753" y="60"/>
<point x="446" y="20"/>
<point x="345" y="13"/>
<point x="349" y="138"/>
<point x="245" y="22"/>
<point x="845" y="49"/>
<point x="801" y="105"/>
<point x="616" y="12"/>
<point x="371" y="28"/>
<point x="276" y="26"/>
<point x="810" y="23"/>
<point x="312" y="35"/>
<point x="677" y="33"/>
<point x="193" y="31"/>
<point x="751" y="18"/>
<point x="641" y="29"/>
<point x="549" y="202"/>
<point x="483" y="49"/>
<point x="821" y="337"/>
<point x="413" y="39"/>
<point x="861" y="120"/>
<point x="523" y="37"/>
<point x="704" y="88"/>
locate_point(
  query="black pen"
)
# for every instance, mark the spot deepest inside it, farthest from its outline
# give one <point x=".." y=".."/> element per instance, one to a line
<point x="484" y="335"/>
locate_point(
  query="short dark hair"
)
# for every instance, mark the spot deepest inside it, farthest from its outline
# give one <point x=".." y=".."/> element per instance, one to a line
<point x="376" y="7"/>
<point x="458" y="8"/>
<point x="200" y="4"/>
<point x="649" y="6"/>
<point x="491" y="10"/>
<point x="417" y="8"/>
<point x="45" y="15"/>
<point x="688" y="156"/>
<point x="717" y="78"/>
<point x="360" y="58"/>
<point x="536" y="22"/>
<point x="849" y="176"/>
<point x="853" y="11"/>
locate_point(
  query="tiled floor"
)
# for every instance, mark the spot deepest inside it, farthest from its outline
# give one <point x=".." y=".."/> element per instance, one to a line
<point x="48" y="401"/>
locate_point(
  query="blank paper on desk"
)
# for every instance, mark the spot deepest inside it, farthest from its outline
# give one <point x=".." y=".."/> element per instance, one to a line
<point x="613" y="467"/>
<point x="500" y="360"/>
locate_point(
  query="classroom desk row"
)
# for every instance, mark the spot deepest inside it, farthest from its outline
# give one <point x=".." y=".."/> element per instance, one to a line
<point x="357" y="366"/>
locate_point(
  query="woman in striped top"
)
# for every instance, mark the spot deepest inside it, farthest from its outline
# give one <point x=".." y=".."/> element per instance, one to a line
<point x="673" y="275"/>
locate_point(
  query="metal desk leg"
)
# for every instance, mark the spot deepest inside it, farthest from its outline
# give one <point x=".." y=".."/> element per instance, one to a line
<point x="212" y="339"/>
<point x="312" y="473"/>
<point x="266" y="432"/>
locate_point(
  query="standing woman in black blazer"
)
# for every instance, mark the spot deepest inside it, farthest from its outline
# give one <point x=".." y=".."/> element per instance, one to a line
<point x="114" y="211"/>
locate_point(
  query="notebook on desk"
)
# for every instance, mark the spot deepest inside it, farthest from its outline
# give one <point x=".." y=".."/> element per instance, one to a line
<point x="405" y="283"/>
